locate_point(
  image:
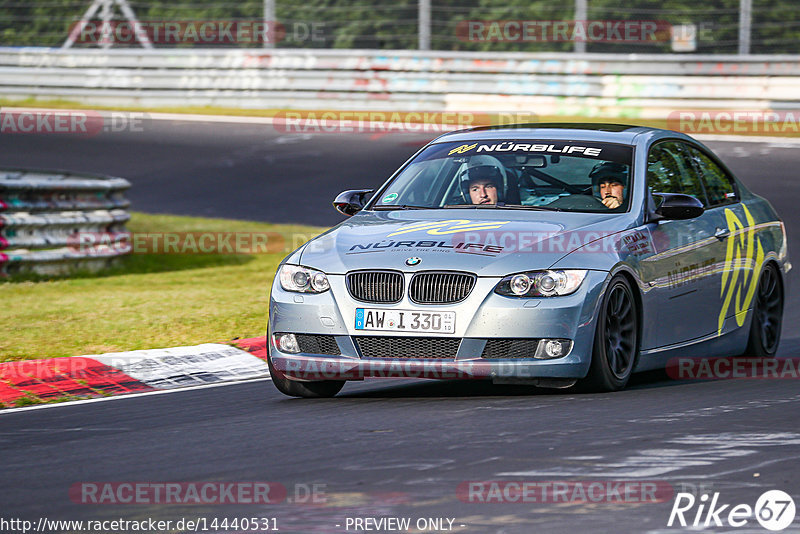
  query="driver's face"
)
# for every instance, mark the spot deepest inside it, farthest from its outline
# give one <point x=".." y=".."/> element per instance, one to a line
<point x="483" y="192"/>
<point x="612" y="189"/>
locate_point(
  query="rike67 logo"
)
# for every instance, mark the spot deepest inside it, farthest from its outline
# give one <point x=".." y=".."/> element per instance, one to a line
<point x="774" y="510"/>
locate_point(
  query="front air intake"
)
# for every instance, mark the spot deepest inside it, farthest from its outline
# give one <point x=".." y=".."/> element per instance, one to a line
<point x="426" y="348"/>
<point x="440" y="287"/>
<point x="375" y="286"/>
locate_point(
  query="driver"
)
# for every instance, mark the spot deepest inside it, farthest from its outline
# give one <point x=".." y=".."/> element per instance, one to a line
<point x="609" y="182"/>
<point x="482" y="184"/>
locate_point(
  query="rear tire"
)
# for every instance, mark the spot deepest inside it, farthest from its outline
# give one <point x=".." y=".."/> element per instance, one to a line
<point x="765" y="327"/>
<point x="310" y="390"/>
<point x="616" y="340"/>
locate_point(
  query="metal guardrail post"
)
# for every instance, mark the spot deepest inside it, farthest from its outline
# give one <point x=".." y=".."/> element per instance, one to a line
<point x="745" y="23"/>
<point x="57" y="222"/>
<point x="269" y="24"/>
<point x="581" y="13"/>
<point x="424" y="24"/>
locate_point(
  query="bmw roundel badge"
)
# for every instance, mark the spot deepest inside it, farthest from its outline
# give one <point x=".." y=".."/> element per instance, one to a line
<point x="413" y="261"/>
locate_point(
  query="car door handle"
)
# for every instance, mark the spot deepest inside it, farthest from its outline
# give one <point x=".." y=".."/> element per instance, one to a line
<point x="722" y="233"/>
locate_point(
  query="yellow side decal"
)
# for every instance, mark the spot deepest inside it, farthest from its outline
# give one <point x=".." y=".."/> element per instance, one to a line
<point x="744" y="257"/>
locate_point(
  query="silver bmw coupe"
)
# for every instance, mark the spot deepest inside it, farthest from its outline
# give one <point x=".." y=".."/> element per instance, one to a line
<point x="542" y="254"/>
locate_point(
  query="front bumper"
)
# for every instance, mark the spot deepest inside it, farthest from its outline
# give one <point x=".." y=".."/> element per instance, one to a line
<point x="482" y="316"/>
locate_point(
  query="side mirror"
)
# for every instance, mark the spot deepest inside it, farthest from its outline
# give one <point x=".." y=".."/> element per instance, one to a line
<point x="677" y="206"/>
<point x="351" y="202"/>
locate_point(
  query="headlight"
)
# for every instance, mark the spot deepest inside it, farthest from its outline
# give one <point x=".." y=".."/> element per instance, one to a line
<point x="303" y="279"/>
<point x="541" y="283"/>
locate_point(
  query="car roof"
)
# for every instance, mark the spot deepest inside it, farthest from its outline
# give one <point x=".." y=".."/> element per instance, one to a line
<point x="599" y="132"/>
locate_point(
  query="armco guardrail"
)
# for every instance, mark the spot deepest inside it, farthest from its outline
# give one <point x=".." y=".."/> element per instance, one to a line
<point x="564" y="83"/>
<point x="44" y="213"/>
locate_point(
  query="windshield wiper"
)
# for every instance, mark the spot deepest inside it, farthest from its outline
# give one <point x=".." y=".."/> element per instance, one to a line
<point x="469" y="206"/>
<point x="402" y="207"/>
<point x="535" y="208"/>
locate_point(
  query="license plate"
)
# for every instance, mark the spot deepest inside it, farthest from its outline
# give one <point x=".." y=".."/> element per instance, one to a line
<point x="405" y="320"/>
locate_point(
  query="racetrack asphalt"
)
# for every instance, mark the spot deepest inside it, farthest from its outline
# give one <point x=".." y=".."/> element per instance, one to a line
<point x="388" y="447"/>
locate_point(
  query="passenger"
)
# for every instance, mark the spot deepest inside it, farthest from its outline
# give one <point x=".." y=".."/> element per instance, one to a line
<point x="610" y="181"/>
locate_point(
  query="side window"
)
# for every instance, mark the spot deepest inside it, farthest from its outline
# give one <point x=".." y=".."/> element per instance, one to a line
<point x="421" y="189"/>
<point x="719" y="185"/>
<point x="670" y="170"/>
<point x="661" y="171"/>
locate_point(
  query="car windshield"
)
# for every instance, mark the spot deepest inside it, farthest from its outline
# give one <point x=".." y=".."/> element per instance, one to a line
<point x="514" y="174"/>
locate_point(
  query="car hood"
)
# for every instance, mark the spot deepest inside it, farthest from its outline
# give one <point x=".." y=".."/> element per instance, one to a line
<point x="486" y="242"/>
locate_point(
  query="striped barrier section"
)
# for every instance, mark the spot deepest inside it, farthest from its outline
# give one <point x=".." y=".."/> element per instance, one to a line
<point x="59" y="379"/>
<point x="44" y="213"/>
<point x="626" y="85"/>
<point x="255" y="81"/>
<point x="403" y="60"/>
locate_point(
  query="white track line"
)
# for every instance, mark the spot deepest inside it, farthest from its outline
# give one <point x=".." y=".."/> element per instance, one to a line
<point x="8" y="411"/>
<point x="234" y="119"/>
<point x="148" y="115"/>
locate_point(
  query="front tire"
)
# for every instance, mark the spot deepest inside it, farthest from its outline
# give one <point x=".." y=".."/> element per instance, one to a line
<point x="616" y="340"/>
<point x="765" y="328"/>
<point x="309" y="390"/>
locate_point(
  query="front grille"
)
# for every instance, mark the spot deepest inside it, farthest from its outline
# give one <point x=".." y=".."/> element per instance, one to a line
<point x="375" y="286"/>
<point x="510" y="348"/>
<point x="317" y="344"/>
<point x="408" y="347"/>
<point x="440" y="287"/>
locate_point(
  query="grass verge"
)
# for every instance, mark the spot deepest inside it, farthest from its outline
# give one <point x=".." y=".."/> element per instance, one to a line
<point x="151" y="300"/>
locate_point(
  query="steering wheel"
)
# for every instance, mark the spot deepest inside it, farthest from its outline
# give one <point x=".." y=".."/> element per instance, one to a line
<point x="459" y="176"/>
<point x="579" y="202"/>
